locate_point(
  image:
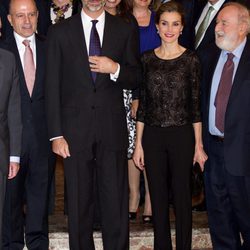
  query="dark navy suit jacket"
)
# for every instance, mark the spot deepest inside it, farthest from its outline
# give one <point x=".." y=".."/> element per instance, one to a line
<point x="237" y="118"/>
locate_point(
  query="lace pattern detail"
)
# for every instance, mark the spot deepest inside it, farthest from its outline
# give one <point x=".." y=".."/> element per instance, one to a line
<point x="170" y="91"/>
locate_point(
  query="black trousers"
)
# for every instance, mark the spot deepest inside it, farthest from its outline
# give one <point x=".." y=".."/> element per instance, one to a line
<point x="3" y="179"/>
<point x="228" y="202"/>
<point x="168" y="156"/>
<point x="112" y="185"/>
<point x="30" y="189"/>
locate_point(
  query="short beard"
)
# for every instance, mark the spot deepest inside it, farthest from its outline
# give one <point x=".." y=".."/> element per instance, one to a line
<point x="222" y="44"/>
<point x="94" y="8"/>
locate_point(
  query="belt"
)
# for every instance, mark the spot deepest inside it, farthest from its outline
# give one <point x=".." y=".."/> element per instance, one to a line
<point x="217" y="138"/>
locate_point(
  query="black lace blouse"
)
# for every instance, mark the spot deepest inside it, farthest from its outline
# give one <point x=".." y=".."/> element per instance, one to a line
<point x="170" y="90"/>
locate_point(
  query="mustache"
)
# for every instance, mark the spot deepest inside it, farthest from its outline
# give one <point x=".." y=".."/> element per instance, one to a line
<point x="93" y="1"/>
<point x="219" y="34"/>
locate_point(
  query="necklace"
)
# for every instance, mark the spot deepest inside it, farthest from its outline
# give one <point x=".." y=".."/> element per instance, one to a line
<point x="60" y="11"/>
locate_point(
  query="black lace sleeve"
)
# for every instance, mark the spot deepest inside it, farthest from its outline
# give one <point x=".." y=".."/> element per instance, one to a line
<point x="195" y="77"/>
<point x="142" y="95"/>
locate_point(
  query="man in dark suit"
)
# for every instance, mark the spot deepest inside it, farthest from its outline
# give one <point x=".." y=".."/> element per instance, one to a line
<point x="206" y="13"/>
<point x="87" y="119"/>
<point x="30" y="187"/>
<point x="205" y="21"/>
<point x="204" y="30"/>
<point x="226" y="119"/>
<point x="43" y="19"/>
<point x="10" y="124"/>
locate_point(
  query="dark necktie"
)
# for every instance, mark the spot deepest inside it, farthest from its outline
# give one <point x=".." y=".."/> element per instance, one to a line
<point x="223" y="92"/>
<point x="94" y="44"/>
<point x="29" y="67"/>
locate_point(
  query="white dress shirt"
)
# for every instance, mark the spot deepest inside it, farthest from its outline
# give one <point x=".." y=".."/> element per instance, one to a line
<point x="216" y="80"/>
<point x="21" y="49"/>
<point x="216" y="7"/>
<point x="87" y="26"/>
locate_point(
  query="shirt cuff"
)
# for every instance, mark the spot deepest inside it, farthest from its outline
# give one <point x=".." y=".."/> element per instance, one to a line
<point x="114" y="76"/>
<point x="15" y="159"/>
<point x="54" y="138"/>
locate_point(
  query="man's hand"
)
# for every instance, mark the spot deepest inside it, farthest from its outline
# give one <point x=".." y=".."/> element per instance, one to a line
<point x="61" y="147"/>
<point x="102" y="64"/>
<point x="13" y="169"/>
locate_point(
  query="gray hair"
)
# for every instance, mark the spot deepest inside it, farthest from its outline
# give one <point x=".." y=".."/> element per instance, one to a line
<point x="244" y="13"/>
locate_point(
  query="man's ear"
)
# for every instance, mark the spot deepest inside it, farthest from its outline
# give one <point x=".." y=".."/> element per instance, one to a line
<point x="10" y="19"/>
<point x="244" y="28"/>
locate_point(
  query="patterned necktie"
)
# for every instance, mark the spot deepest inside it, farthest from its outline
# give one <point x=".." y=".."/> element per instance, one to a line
<point x="223" y="92"/>
<point x="29" y="67"/>
<point x="94" y="44"/>
<point x="203" y="26"/>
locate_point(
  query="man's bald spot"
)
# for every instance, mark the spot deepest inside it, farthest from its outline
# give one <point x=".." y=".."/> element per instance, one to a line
<point x="13" y="2"/>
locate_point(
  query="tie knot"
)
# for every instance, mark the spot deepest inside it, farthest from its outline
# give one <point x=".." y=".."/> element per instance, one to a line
<point x="210" y="9"/>
<point x="94" y="22"/>
<point x="230" y="56"/>
<point x="26" y="42"/>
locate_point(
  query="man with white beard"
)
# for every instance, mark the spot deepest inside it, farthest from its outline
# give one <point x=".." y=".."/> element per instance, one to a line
<point x="226" y="121"/>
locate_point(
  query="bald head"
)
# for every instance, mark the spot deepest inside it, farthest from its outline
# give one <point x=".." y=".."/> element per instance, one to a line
<point x="14" y="3"/>
<point x="23" y="16"/>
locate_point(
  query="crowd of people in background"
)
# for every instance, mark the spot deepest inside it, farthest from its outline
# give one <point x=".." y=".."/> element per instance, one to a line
<point x="131" y="94"/>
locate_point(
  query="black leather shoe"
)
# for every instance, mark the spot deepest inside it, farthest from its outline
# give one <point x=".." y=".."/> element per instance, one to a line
<point x="200" y="207"/>
<point x="132" y="216"/>
<point x="97" y="227"/>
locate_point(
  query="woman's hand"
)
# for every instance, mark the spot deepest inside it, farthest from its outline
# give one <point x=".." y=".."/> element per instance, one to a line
<point x="200" y="157"/>
<point x="138" y="157"/>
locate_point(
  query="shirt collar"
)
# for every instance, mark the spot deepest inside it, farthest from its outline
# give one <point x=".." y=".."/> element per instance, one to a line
<point x="217" y="5"/>
<point x="88" y="19"/>
<point x="20" y="39"/>
<point x="238" y="51"/>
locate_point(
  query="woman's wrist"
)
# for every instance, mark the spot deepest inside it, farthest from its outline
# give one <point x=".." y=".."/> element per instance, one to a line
<point x="138" y="144"/>
<point x="198" y="146"/>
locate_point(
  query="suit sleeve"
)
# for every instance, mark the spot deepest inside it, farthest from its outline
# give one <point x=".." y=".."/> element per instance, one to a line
<point x="52" y="85"/>
<point x="130" y="73"/>
<point x="14" y="114"/>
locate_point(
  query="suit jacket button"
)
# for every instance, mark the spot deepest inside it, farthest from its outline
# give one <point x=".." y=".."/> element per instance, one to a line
<point x="94" y="90"/>
<point x="93" y="107"/>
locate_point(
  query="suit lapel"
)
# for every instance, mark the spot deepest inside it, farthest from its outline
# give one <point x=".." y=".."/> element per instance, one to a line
<point x="77" y="39"/>
<point x="106" y="43"/>
<point x="242" y="70"/>
<point x="107" y="35"/>
<point x="211" y="68"/>
<point x="14" y="49"/>
<point x="39" y="65"/>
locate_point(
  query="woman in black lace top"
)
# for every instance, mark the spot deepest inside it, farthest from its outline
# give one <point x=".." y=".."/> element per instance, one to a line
<point x="168" y="138"/>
